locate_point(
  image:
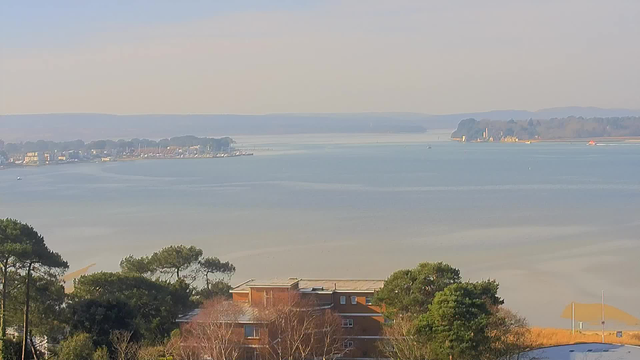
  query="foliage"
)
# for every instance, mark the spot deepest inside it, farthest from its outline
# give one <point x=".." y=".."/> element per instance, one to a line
<point x="99" y="318"/>
<point x="184" y="263"/>
<point x="213" y="266"/>
<point x="175" y="259"/>
<point x="151" y="353"/>
<point x="12" y="350"/>
<point x="26" y="250"/>
<point x="156" y="304"/>
<point x="14" y="245"/>
<point x="179" y="141"/>
<point x="565" y="128"/>
<point x="101" y="353"/>
<point x="136" y="266"/>
<point x="217" y="289"/>
<point x="458" y="321"/>
<point x="411" y="291"/>
<point x="46" y="305"/>
<point x="76" y="347"/>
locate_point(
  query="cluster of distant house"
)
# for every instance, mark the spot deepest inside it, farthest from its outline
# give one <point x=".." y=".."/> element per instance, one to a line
<point x="50" y="157"/>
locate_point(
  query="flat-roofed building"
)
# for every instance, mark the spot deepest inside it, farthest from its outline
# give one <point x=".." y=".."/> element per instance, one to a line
<point x="351" y="299"/>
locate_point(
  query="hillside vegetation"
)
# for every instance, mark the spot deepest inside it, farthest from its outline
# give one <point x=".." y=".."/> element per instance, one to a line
<point x="553" y="129"/>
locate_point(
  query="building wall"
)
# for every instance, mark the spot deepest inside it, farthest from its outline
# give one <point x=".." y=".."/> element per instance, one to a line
<point x="359" y="307"/>
<point x="364" y="325"/>
<point x="260" y="296"/>
<point x="241" y="297"/>
<point x="363" y="348"/>
<point x="367" y="320"/>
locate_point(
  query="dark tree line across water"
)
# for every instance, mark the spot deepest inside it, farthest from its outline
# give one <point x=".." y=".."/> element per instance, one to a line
<point x="214" y="144"/>
<point x="552" y="129"/>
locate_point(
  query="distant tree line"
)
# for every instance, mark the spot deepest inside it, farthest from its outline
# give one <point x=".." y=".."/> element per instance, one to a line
<point x="180" y="141"/>
<point x="565" y="128"/>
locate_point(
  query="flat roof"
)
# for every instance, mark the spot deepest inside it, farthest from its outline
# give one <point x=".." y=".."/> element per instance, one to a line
<point x="316" y="285"/>
<point x="240" y="313"/>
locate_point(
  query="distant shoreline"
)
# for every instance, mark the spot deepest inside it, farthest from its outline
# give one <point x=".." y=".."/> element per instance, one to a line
<point x="627" y="139"/>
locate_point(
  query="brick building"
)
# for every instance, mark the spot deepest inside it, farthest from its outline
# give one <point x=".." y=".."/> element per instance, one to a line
<point x="350" y="299"/>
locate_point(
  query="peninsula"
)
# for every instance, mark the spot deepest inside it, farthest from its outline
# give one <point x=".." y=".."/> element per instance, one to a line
<point x="547" y="130"/>
<point x="49" y="152"/>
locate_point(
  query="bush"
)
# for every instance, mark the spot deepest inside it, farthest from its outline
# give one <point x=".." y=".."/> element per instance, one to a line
<point x="77" y="347"/>
<point x="12" y="350"/>
<point x="101" y="354"/>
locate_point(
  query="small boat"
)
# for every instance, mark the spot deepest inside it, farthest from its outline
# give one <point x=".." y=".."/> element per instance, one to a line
<point x="18" y="178"/>
<point x="591" y="143"/>
<point x="429" y="147"/>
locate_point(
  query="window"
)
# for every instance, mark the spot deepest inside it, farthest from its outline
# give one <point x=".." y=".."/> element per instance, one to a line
<point x="368" y="300"/>
<point x="251" y="332"/>
<point x="252" y="354"/>
<point x="268" y="298"/>
<point x="347" y="323"/>
<point x="347" y="344"/>
<point x="354" y="300"/>
<point x="343" y="300"/>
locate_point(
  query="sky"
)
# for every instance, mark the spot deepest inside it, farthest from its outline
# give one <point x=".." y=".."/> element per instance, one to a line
<point x="286" y="56"/>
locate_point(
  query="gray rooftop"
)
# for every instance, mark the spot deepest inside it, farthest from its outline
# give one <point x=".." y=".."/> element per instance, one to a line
<point x="317" y="285"/>
<point x="243" y="314"/>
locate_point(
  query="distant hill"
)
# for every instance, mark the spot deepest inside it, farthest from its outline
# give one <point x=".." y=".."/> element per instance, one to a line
<point x="100" y="126"/>
<point x="553" y="129"/>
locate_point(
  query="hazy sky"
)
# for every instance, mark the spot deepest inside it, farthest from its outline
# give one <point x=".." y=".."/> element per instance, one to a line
<point x="251" y="57"/>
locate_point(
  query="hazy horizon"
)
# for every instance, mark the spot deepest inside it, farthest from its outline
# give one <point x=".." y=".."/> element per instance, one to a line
<point x="329" y="112"/>
<point x="316" y="57"/>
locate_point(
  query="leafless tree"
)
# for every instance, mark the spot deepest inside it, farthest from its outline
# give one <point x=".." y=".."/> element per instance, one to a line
<point x="300" y="329"/>
<point x="214" y="333"/>
<point x="401" y="341"/>
<point x="124" y="348"/>
<point x="510" y="336"/>
<point x="329" y="336"/>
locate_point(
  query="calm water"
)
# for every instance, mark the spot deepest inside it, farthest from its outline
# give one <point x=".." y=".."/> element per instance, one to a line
<point x="554" y="223"/>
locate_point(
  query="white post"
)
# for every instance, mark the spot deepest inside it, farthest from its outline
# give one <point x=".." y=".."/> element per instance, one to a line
<point x="573" y="318"/>
<point x="603" y="316"/>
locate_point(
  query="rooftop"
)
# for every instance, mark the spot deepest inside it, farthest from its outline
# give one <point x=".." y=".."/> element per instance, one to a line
<point x="315" y="285"/>
<point x="238" y="313"/>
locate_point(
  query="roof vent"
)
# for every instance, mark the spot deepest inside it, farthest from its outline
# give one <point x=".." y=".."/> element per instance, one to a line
<point x="317" y="288"/>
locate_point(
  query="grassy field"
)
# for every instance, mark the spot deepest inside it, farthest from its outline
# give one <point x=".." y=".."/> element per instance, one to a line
<point x="551" y="337"/>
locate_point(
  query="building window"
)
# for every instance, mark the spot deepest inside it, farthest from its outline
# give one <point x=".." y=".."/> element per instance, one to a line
<point x="251" y="332"/>
<point x="347" y="323"/>
<point x="252" y="354"/>
<point x="354" y="300"/>
<point x="347" y="344"/>
<point x="343" y="300"/>
<point x="368" y="300"/>
<point x="268" y="298"/>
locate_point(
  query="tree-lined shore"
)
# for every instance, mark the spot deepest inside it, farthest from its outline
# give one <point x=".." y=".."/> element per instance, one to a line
<point x="552" y="129"/>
